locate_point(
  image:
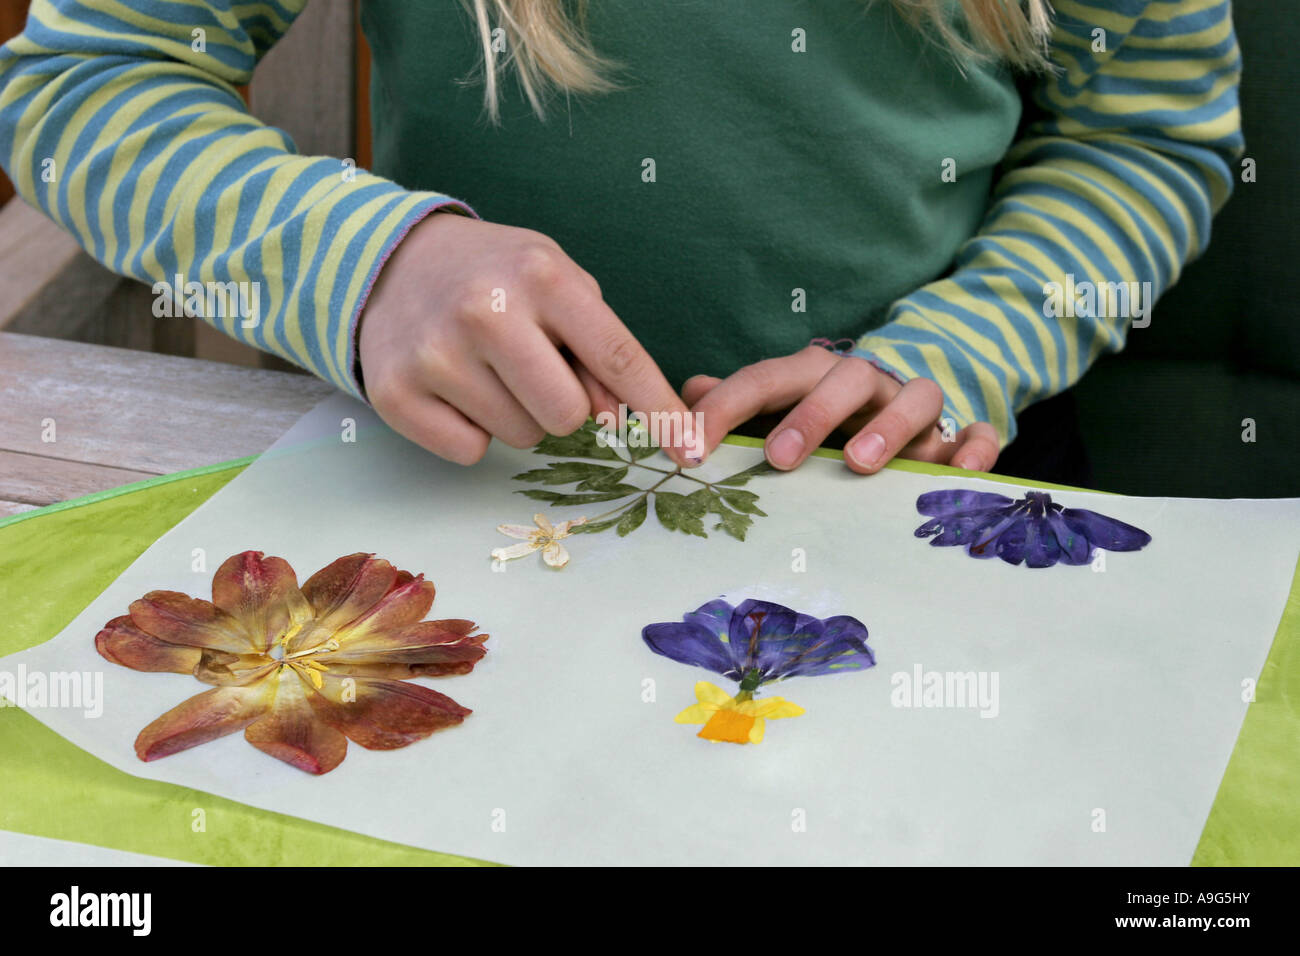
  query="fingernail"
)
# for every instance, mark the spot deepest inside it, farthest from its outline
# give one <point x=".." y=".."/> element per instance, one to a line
<point x="784" y="450"/>
<point x="866" y="450"/>
<point x="693" y="448"/>
<point x="969" y="464"/>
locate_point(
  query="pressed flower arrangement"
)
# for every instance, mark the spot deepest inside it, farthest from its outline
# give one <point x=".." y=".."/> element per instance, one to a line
<point x="1034" y="530"/>
<point x="300" y="670"/>
<point x="604" y="473"/>
<point x="755" y="644"/>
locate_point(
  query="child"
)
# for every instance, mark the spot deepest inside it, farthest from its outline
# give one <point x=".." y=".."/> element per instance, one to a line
<point x="664" y="195"/>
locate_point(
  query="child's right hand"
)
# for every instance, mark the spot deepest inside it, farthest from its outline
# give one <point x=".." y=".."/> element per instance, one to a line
<point x="460" y="341"/>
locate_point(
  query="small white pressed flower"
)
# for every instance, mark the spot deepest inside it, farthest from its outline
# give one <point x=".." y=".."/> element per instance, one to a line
<point x="545" y="537"/>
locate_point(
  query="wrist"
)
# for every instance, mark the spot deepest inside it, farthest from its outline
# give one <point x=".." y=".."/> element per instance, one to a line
<point x="435" y="204"/>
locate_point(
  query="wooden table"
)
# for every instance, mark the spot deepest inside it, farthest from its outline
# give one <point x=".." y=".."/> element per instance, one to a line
<point x="118" y="416"/>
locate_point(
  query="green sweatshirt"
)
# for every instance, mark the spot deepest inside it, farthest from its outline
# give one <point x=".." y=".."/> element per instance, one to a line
<point x="772" y="171"/>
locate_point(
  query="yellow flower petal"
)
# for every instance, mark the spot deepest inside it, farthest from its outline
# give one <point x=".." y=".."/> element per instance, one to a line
<point x="774" y="708"/>
<point x="544" y="523"/>
<point x="555" y="555"/>
<point x="697" y="714"/>
<point x="727" y="720"/>
<point x="310" y="674"/>
<point x="730" y="726"/>
<point x="707" y="693"/>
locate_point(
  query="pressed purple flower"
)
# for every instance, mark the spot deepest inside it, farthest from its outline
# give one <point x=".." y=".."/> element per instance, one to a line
<point x="760" y="642"/>
<point x="1034" y="530"/>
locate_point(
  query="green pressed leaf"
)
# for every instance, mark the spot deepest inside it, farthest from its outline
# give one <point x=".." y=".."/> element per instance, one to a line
<point x="636" y="454"/>
<point x="565" y="498"/>
<point x="595" y="483"/>
<point x="605" y="482"/>
<point x="566" y="472"/>
<point x="632" y="518"/>
<point x="622" y="489"/>
<point x="538" y="495"/>
<point x="580" y="444"/>
<point x="742" y="501"/>
<point x="682" y="512"/>
<point x="732" y="523"/>
<point x="702" y="500"/>
<point x="740" y="477"/>
<point x="591" y="527"/>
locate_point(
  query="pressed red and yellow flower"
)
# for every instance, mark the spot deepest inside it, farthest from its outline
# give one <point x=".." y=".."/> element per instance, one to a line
<point x="300" y="670"/>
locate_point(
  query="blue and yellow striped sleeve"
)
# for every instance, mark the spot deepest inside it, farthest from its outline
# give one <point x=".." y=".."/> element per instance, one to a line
<point x="123" y="123"/>
<point x="1129" y="150"/>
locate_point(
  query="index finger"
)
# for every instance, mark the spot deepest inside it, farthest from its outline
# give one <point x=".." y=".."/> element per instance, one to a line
<point x="612" y="355"/>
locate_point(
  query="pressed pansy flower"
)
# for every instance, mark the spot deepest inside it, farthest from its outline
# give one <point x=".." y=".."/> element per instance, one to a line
<point x="1034" y="529"/>
<point x="299" y="670"/>
<point x="544" y="537"/>
<point x="754" y="644"/>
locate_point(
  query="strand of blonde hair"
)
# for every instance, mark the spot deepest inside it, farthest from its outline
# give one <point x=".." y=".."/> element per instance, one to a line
<point x="547" y="47"/>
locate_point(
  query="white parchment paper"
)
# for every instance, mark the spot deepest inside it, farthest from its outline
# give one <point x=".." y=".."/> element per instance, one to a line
<point x="1119" y="692"/>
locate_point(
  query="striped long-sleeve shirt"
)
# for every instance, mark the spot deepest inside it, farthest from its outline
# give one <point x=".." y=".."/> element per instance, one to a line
<point x="1113" y="183"/>
<point x="771" y="171"/>
<point x="122" y="122"/>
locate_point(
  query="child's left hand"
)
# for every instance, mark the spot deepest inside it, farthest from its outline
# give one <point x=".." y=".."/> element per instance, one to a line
<point x="829" y="391"/>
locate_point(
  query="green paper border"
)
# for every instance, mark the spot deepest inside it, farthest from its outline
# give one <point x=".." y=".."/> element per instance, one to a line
<point x="52" y="788"/>
<point x="1255" y="817"/>
<point x="923" y="467"/>
<point x="240" y="463"/>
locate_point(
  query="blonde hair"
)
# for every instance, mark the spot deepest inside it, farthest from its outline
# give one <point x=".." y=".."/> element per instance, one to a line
<point x="547" y="45"/>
